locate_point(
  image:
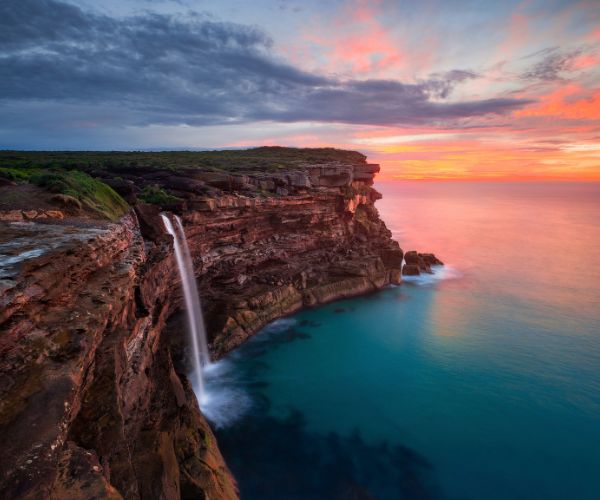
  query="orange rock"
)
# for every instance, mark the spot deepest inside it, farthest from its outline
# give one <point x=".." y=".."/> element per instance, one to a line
<point x="54" y="214"/>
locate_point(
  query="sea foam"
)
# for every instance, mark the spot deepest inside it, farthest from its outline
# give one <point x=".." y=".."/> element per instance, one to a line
<point x="440" y="273"/>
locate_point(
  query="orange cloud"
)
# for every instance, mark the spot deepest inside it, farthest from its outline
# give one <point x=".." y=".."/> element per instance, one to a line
<point x="586" y="61"/>
<point x="570" y="101"/>
<point x="557" y="152"/>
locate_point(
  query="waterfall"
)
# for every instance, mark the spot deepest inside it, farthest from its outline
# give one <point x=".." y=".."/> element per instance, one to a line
<point x="201" y="328"/>
<point x="197" y="331"/>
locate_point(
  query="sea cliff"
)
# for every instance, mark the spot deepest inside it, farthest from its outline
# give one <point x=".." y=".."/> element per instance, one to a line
<point x="94" y="398"/>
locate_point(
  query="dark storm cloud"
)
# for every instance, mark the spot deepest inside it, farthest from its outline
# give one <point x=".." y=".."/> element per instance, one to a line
<point x="381" y="102"/>
<point x="167" y="69"/>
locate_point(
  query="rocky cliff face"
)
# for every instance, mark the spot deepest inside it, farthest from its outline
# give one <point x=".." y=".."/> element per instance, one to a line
<point x="91" y="404"/>
<point x="259" y="259"/>
<point x="94" y="400"/>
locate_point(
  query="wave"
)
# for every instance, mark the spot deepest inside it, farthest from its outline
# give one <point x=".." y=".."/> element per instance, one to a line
<point x="440" y="273"/>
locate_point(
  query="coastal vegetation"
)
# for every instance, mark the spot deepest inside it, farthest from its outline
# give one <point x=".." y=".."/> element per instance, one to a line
<point x="157" y="196"/>
<point x="267" y="158"/>
<point x="109" y="182"/>
<point x="89" y="192"/>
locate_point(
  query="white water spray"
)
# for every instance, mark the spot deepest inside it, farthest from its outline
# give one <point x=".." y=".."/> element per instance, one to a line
<point x="197" y="331"/>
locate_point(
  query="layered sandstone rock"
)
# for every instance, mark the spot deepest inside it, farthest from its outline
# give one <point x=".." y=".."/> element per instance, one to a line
<point x="94" y="402"/>
<point x="91" y="405"/>
<point x="259" y="259"/>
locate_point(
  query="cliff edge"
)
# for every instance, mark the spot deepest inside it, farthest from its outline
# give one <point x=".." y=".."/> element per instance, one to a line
<point x="94" y="398"/>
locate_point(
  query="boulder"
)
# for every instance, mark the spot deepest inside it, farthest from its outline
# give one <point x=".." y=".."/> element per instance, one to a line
<point x="431" y="259"/>
<point x="411" y="257"/>
<point x="68" y="202"/>
<point x="423" y="260"/>
<point x="123" y="187"/>
<point x="151" y="224"/>
<point x="411" y="270"/>
<point x="424" y="266"/>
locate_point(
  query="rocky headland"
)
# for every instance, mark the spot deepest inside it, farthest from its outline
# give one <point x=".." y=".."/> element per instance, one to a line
<point x="94" y="398"/>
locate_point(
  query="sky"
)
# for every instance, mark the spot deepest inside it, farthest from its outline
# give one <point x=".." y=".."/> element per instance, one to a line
<point x="447" y="89"/>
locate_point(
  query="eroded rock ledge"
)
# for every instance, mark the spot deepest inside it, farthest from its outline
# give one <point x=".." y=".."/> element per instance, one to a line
<point x="94" y="403"/>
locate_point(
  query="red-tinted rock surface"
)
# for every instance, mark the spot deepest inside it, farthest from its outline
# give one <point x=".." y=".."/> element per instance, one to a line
<point x="431" y="259"/>
<point x="91" y="406"/>
<point x="411" y="270"/>
<point x="419" y="262"/>
<point x="92" y="403"/>
<point x="259" y="259"/>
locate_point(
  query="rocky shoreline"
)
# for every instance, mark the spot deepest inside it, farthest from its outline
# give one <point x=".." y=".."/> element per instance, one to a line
<point x="95" y="402"/>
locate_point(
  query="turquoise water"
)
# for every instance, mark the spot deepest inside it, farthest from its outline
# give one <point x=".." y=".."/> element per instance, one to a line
<point x="481" y="383"/>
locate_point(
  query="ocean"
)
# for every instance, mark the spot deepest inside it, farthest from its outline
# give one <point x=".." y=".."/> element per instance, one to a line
<point x="481" y="381"/>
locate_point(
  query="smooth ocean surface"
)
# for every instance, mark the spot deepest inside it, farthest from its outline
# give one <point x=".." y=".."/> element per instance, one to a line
<point x="481" y="382"/>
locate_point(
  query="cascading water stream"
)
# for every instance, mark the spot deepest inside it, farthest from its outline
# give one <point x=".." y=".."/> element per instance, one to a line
<point x="200" y="327"/>
<point x="197" y="332"/>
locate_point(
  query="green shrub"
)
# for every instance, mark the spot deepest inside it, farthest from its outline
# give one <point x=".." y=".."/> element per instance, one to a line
<point x="266" y="158"/>
<point x="16" y="174"/>
<point x="92" y="193"/>
<point x="157" y="195"/>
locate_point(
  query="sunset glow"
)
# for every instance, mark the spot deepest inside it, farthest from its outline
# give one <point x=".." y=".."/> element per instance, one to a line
<point x="433" y="90"/>
<point x="300" y="249"/>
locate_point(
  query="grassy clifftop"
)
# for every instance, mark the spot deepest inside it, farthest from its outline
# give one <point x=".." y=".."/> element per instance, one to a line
<point x="270" y="158"/>
<point x="107" y="183"/>
<point x="88" y="192"/>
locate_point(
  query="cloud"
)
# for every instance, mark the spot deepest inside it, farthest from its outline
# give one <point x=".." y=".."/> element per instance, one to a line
<point x="570" y="101"/>
<point x="442" y="84"/>
<point x="554" y="62"/>
<point x="162" y="69"/>
<point x="383" y="102"/>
